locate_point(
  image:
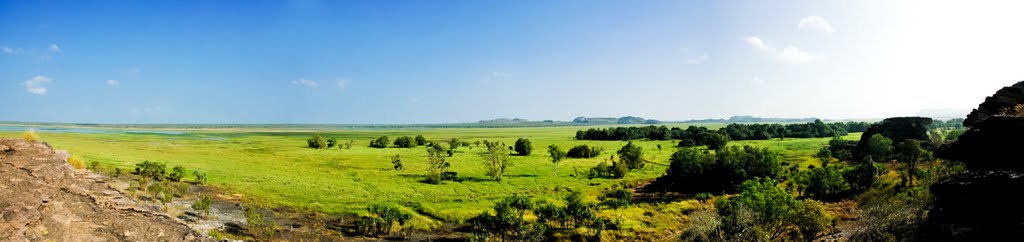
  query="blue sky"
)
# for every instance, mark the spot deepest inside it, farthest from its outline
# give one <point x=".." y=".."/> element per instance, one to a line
<point x="457" y="61"/>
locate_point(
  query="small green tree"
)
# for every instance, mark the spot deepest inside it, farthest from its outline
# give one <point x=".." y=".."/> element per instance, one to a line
<point x="258" y="224"/>
<point x="879" y="147"/>
<point x="200" y="177"/>
<point x="316" y="142"/>
<point x="203" y="205"/>
<point x="420" y="140"/>
<point x="453" y="144"/>
<point x="438" y="164"/>
<point x="523" y="146"/>
<point x="380" y="142"/>
<point x="825" y="155"/>
<point x="332" y="142"/>
<point x="176" y="173"/>
<point x="908" y="153"/>
<point x="632" y="155"/>
<point x="397" y="161"/>
<point x="497" y="160"/>
<point x="405" y="142"/>
<point x="715" y="140"/>
<point x="557" y="154"/>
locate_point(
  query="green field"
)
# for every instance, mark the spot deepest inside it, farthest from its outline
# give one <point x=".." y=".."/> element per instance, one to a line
<point x="273" y="167"/>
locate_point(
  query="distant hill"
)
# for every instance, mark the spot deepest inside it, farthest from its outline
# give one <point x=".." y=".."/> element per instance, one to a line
<point x="752" y="119"/>
<point x="944" y="113"/>
<point x="622" y="120"/>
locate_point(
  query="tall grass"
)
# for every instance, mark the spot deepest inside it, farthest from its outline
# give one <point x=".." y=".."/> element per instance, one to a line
<point x="76" y="162"/>
<point x="30" y="136"/>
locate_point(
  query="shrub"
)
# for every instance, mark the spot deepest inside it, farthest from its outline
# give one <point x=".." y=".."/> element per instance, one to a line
<point x="176" y="173"/>
<point x="332" y="142"/>
<point x="523" y="146"/>
<point x="379" y="143"/>
<point x="30" y="136"/>
<point x="617" y="197"/>
<point x="632" y="155"/>
<point x="316" y="142"/>
<point x="200" y="177"/>
<point x="381" y="220"/>
<point x="150" y="169"/>
<point x="93" y="165"/>
<point x="404" y="142"/>
<point x="397" y="161"/>
<point x="117" y="171"/>
<point x="259" y="225"/>
<point x="77" y="162"/>
<point x="420" y="140"/>
<point x="584" y="151"/>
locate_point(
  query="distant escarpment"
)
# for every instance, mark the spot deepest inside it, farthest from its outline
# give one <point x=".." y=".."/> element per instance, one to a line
<point x="42" y="198"/>
<point x="983" y="204"/>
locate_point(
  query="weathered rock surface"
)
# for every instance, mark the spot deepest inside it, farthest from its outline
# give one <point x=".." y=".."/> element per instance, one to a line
<point x="983" y="204"/>
<point x="42" y="198"/>
<point x="1004" y="98"/>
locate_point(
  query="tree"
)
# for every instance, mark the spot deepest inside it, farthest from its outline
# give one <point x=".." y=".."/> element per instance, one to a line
<point x="332" y="142"/>
<point x="632" y="156"/>
<point x="823" y="183"/>
<point x="200" y="177"/>
<point x="437" y="164"/>
<point x="150" y="169"/>
<point x="404" y="142"/>
<point x="557" y="154"/>
<point x="497" y="160"/>
<point x="825" y="155"/>
<point x="420" y="140"/>
<point x="716" y="141"/>
<point x="523" y="146"/>
<point x="763" y="211"/>
<point x="879" y="147"/>
<point x="397" y="161"/>
<point x="584" y="151"/>
<point x="908" y="152"/>
<point x="381" y="142"/>
<point x="176" y="173"/>
<point x="316" y="142"/>
<point x="203" y="205"/>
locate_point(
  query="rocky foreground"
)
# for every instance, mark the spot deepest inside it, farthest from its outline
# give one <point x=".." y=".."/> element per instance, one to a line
<point x="42" y="198"/>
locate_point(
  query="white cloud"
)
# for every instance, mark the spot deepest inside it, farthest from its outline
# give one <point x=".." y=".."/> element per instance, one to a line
<point x="816" y="23"/>
<point x="37" y="85"/>
<point x="305" y="82"/>
<point x="788" y="55"/>
<point x="343" y="83"/>
<point x="496" y="76"/>
<point x="758" y="80"/>
<point x="6" y="49"/>
<point x="11" y="50"/>
<point x="793" y="55"/>
<point x="758" y="43"/>
<point x="55" y="48"/>
<point x="698" y="59"/>
<point x="113" y="83"/>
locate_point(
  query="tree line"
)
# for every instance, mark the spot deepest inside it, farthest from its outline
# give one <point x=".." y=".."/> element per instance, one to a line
<point x="734" y="131"/>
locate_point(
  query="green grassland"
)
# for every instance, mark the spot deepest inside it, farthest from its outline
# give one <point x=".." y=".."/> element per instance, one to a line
<point x="273" y="167"/>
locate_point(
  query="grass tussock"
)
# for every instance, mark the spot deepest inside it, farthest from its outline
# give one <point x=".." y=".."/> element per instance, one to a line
<point x="76" y="162"/>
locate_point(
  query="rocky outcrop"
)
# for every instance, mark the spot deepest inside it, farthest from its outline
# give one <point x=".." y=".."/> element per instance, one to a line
<point x="42" y="198"/>
<point x="983" y="204"/>
<point x="1007" y="97"/>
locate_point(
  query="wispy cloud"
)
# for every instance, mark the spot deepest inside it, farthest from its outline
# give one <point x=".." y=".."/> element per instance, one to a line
<point x="37" y="85"/>
<point x="693" y="58"/>
<point x="113" y="83"/>
<point x="494" y="77"/>
<point x="787" y="55"/>
<point x="305" y="82"/>
<point x="816" y="23"/>
<point x="54" y="48"/>
<point x="344" y="82"/>
<point x="11" y="50"/>
<point x="758" y="81"/>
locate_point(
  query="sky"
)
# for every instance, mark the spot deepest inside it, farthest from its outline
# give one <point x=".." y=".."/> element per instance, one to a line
<point x="403" y="61"/>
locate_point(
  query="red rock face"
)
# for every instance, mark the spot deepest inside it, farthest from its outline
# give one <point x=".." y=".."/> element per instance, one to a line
<point x="42" y="198"/>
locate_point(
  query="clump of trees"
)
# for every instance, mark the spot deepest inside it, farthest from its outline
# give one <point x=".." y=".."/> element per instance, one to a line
<point x="616" y="170"/>
<point x="437" y="170"/>
<point x="694" y="170"/>
<point x="651" y="132"/>
<point x="405" y="142"/>
<point x="761" y="212"/>
<point x="508" y="222"/>
<point x="523" y="146"/>
<point x="155" y="170"/>
<point x="380" y="142"/>
<point x="584" y="151"/>
<point x="701" y="136"/>
<point x="804" y="130"/>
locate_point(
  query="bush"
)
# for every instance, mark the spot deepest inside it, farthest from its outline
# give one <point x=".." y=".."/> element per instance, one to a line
<point x="259" y="225"/>
<point x="316" y="142"/>
<point x="404" y="142"/>
<point x="632" y="155"/>
<point x="203" y="205"/>
<point x="617" y="197"/>
<point x="584" y="151"/>
<point x="150" y="169"/>
<point x="332" y="142"/>
<point x="420" y="140"/>
<point x="602" y="170"/>
<point x="381" y="220"/>
<point x="77" y="162"/>
<point x="117" y="171"/>
<point x="30" y="136"/>
<point x="176" y="173"/>
<point x="523" y="146"/>
<point x="200" y="177"/>
<point x="380" y="143"/>
<point x="93" y="165"/>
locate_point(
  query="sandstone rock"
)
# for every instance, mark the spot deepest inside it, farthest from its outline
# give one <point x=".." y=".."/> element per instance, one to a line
<point x="45" y="200"/>
<point x="1004" y="98"/>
